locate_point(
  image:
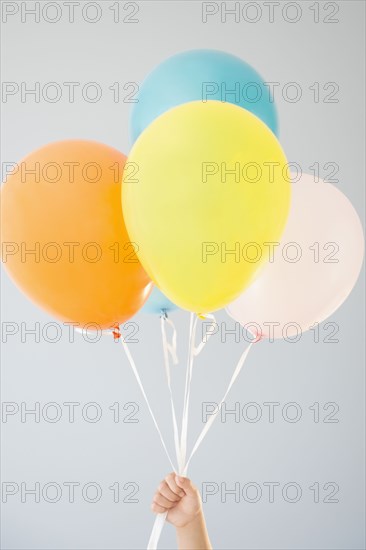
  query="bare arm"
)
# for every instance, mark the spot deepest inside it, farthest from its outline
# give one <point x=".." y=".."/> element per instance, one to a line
<point x="181" y="499"/>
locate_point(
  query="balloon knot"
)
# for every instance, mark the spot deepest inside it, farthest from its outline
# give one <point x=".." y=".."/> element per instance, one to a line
<point x="258" y="337"/>
<point x="116" y="332"/>
<point x="163" y="314"/>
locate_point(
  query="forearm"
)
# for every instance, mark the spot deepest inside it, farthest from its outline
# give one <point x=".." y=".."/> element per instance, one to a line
<point x="194" y="536"/>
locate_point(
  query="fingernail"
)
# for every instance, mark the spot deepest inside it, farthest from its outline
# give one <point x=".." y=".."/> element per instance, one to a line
<point x="179" y="479"/>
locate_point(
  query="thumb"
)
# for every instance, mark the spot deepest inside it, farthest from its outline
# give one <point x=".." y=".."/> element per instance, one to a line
<point x="186" y="484"/>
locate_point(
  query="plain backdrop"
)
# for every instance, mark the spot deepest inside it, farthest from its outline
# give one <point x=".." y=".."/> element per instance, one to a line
<point x="321" y="455"/>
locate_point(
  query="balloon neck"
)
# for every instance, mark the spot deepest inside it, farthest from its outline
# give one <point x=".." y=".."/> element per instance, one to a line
<point x="201" y="316"/>
<point x="116" y="332"/>
<point x="257" y="338"/>
<point x="163" y="314"/>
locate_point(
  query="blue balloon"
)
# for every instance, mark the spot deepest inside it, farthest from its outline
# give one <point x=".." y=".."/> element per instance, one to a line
<point x="158" y="303"/>
<point x="201" y="75"/>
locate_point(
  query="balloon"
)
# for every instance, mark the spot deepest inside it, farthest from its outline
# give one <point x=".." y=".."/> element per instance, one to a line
<point x="158" y="303"/>
<point x="313" y="270"/>
<point x="184" y="216"/>
<point x="201" y="75"/>
<point x="64" y="241"/>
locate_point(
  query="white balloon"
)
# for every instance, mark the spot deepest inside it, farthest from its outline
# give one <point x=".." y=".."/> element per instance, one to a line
<point x="313" y="269"/>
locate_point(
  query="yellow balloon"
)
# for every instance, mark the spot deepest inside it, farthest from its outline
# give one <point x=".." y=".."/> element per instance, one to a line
<point x="206" y="190"/>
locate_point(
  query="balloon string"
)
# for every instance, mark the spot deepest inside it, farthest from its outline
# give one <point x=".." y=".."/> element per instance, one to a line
<point x="212" y="418"/>
<point x="161" y="518"/>
<point x="180" y="445"/>
<point x="156" y="531"/>
<point x="187" y="391"/>
<point x="167" y="348"/>
<point x="137" y="376"/>
<point x="212" y="323"/>
<point x="193" y="351"/>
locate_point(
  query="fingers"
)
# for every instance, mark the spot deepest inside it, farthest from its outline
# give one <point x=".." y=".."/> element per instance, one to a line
<point x="170" y="492"/>
<point x="187" y="485"/>
<point x="166" y="491"/>
<point x="167" y="495"/>
<point x="160" y="500"/>
<point x="157" y="509"/>
<point x="171" y="481"/>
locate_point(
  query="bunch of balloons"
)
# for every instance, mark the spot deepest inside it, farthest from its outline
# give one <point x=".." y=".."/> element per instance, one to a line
<point x="203" y="207"/>
<point x="202" y="215"/>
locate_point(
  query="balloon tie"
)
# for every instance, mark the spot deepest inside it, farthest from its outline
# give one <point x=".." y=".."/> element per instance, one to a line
<point x="116" y="331"/>
<point x="163" y="314"/>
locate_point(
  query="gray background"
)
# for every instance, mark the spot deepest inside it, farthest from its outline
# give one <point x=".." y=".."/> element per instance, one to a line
<point x="105" y="452"/>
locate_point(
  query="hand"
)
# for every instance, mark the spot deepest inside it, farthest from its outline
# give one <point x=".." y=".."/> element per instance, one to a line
<point x="180" y="498"/>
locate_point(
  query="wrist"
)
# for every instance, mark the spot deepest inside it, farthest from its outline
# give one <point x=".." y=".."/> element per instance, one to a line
<point x="193" y="535"/>
<point x="196" y="521"/>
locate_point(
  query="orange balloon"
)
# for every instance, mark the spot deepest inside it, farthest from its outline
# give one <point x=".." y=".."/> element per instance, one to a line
<point x="64" y="241"/>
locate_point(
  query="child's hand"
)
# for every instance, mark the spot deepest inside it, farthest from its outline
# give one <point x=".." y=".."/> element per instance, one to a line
<point x="180" y="498"/>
